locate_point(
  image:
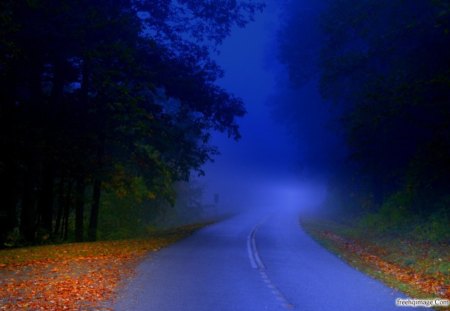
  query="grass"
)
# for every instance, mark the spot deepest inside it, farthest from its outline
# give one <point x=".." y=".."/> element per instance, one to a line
<point x="75" y="276"/>
<point x="417" y="268"/>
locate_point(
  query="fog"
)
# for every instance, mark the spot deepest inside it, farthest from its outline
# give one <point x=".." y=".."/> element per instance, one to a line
<point x="268" y="167"/>
<point x="327" y="88"/>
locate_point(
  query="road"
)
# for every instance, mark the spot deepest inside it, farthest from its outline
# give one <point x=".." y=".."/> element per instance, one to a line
<point x="255" y="261"/>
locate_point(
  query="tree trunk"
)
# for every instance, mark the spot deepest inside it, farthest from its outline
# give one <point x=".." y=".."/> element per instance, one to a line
<point x="93" y="222"/>
<point x="8" y="156"/>
<point x="46" y="198"/>
<point x="45" y="206"/>
<point x="67" y="205"/>
<point x="79" y="209"/>
<point x="28" y="213"/>
<point x="97" y="185"/>
<point x="33" y="152"/>
<point x="96" y="196"/>
<point x="8" y="191"/>
<point x="60" y="205"/>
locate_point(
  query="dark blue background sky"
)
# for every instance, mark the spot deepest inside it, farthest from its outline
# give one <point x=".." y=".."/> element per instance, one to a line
<point x="249" y="61"/>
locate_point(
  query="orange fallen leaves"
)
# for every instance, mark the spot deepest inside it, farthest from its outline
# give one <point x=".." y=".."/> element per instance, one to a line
<point x="80" y="276"/>
<point x="433" y="284"/>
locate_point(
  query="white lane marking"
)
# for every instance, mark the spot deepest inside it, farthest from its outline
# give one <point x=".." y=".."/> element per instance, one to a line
<point x="256" y="263"/>
<point x="250" y="252"/>
<point x="255" y="253"/>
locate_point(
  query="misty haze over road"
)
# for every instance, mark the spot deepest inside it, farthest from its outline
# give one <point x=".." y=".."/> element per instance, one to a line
<point x="259" y="260"/>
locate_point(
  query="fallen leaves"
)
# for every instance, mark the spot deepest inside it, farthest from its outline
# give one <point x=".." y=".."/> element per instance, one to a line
<point x="78" y="276"/>
<point x="434" y="284"/>
<point x="408" y="265"/>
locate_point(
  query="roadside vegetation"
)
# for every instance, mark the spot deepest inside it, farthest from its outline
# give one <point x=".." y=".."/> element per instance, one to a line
<point x="417" y="267"/>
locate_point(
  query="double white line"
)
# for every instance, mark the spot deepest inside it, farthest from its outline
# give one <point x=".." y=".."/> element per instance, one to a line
<point x="255" y="260"/>
<point x="256" y="263"/>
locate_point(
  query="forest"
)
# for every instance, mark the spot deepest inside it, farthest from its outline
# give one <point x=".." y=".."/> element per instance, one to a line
<point x="383" y="71"/>
<point x="108" y="105"/>
<point x="106" y="99"/>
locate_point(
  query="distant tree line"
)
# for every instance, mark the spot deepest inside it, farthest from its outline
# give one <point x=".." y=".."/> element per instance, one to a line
<point x="385" y="67"/>
<point x="104" y="93"/>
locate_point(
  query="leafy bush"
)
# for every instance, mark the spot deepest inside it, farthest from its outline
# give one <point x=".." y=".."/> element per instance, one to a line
<point x="436" y="227"/>
<point x="396" y="216"/>
<point x="397" y="208"/>
<point x="131" y="211"/>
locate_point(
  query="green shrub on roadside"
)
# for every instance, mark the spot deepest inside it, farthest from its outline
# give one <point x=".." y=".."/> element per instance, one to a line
<point x="396" y="216"/>
<point x="435" y="228"/>
<point x="396" y="210"/>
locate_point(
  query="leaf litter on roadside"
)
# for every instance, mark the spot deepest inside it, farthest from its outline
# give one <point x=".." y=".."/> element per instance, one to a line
<point x="78" y="276"/>
<point x="412" y="267"/>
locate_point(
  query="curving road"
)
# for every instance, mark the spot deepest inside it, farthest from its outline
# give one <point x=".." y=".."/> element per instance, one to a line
<point x="256" y="261"/>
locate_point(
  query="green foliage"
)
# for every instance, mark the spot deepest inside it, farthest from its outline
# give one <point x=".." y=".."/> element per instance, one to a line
<point x="393" y="215"/>
<point x="131" y="209"/>
<point x="128" y="206"/>
<point x="397" y="217"/>
<point x="396" y="210"/>
<point x="436" y="226"/>
<point x="124" y="217"/>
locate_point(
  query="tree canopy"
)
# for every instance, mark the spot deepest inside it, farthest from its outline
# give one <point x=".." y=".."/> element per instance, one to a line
<point x="106" y="91"/>
<point x="385" y="67"/>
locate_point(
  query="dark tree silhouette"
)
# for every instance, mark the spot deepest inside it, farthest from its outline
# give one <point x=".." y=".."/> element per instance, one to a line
<point x="88" y="86"/>
<point x="385" y="66"/>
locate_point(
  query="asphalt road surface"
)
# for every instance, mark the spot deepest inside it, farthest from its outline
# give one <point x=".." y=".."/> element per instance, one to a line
<point x="257" y="261"/>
